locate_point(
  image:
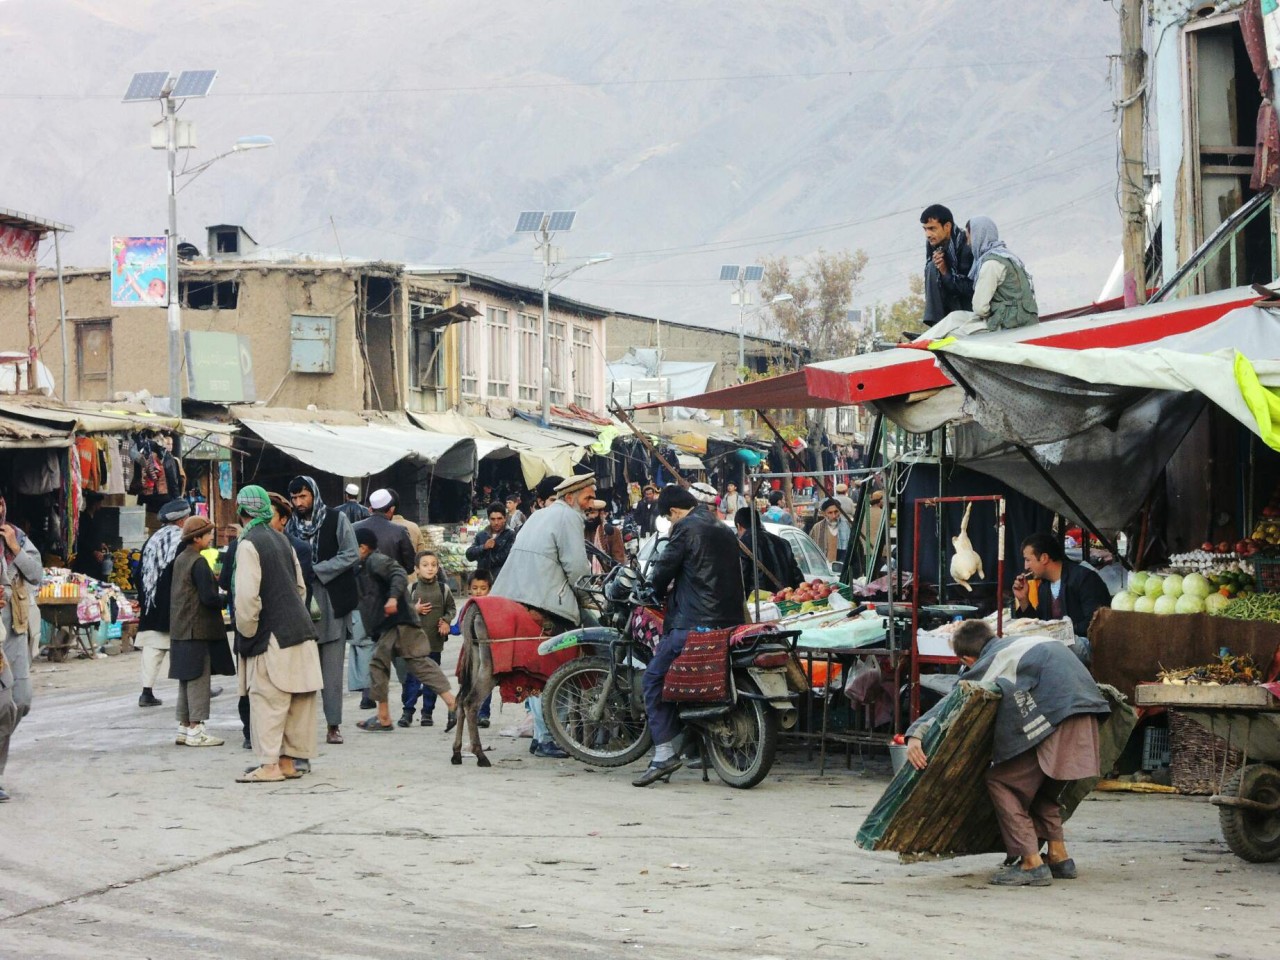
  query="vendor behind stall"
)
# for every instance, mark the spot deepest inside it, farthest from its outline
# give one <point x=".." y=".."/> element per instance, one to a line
<point x="1053" y="587"/>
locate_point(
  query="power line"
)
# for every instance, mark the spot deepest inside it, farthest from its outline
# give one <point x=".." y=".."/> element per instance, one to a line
<point x="595" y="84"/>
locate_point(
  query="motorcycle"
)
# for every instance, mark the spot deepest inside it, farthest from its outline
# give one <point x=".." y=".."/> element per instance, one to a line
<point x="594" y="704"/>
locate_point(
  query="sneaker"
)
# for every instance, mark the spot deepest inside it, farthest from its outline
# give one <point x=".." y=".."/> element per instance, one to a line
<point x="551" y="750"/>
<point x="406" y="719"/>
<point x="426" y="720"/>
<point x="484" y="723"/>
<point x="181" y="738"/>
<point x="148" y="699"/>
<point x="198" y="738"/>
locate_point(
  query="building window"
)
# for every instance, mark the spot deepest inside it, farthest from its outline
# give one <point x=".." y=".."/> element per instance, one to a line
<point x="530" y="355"/>
<point x="583" y="381"/>
<point x="93" y="360"/>
<point x="468" y="355"/>
<point x="556" y="334"/>
<point x="499" y="324"/>
<point x="210" y="294"/>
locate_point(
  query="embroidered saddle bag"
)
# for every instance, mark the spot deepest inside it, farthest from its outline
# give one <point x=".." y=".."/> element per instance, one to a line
<point x="701" y="673"/>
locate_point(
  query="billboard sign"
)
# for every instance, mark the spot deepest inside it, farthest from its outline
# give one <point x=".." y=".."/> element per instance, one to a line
<point x="139" y="271"/>
<point x="219" y="367"/>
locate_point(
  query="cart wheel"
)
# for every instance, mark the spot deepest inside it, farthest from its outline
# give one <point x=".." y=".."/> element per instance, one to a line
<point x="59" y="644"/>
<point x="1252" y="835"/>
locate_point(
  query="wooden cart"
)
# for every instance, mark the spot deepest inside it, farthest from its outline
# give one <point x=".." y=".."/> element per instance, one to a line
<point x="62" y="614"/>
<point x="1247" y="718"/>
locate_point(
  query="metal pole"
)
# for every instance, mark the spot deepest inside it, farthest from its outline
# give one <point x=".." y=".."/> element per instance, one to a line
<point x="1132" y="146"/>
<point x="175" y="299"/>
<point x="742" y="353"/>
<point x="546" y="334"/>
<point x="33" y="336"/>
<point x="62" y="313"/>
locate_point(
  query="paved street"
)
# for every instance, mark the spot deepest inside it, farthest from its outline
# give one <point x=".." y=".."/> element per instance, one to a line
<point x="120" y="844"/>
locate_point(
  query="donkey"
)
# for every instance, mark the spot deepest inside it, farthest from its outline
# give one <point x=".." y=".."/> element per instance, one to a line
<point x="475" y="683"/>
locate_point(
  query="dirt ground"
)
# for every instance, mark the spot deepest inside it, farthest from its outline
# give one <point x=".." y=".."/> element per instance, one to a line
<point x="119" y="844"/>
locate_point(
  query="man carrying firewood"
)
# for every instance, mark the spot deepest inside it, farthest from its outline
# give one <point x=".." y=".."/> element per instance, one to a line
<point x="1046" y="735"/>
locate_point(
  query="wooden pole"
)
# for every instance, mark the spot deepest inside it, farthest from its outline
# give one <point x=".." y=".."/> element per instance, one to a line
<point x="1132" y="152"/>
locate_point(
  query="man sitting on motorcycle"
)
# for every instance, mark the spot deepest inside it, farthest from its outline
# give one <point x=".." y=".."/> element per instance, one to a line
<point x="699" y="573"/>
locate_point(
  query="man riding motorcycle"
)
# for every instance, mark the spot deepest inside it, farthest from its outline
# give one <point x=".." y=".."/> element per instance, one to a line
<point x="546" y="561"/>
<point x="699" y="573"/>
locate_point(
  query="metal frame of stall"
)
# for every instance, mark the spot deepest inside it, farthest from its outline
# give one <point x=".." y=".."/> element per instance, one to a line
<point x="917" y="658"/>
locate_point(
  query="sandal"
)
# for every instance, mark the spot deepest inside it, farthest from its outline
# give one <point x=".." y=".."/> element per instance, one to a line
<point x="289" y="770"/>
<point x="374" y="725"/>
<point x="256" y="775"/>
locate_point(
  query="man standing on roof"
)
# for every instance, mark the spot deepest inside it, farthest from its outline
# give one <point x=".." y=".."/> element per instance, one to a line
<point x="947" y="262"/>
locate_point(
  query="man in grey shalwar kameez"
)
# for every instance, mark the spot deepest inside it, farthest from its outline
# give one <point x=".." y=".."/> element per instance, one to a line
<point x="334" y="555"/>
<point x="20" y="575"/>
<point x="546" y="562"/>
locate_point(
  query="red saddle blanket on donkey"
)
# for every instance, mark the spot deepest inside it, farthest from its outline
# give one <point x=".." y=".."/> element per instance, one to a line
<point x="514" y="633"/>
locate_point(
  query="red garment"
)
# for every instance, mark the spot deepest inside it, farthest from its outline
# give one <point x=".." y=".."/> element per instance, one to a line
<point x="87" y="452"/>
<point x="503" y="620"/>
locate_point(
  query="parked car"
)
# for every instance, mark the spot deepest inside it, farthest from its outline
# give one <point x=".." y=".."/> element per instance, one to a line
<point x="812" y="563"/>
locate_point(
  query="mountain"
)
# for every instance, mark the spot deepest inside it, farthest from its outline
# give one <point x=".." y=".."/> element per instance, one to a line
<point x="686" y="134"/>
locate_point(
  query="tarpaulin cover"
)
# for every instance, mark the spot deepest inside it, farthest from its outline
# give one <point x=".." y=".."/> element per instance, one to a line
<point x="361" y="451"/>
<point x="1094" y="417"/>
<point x="639" y="374"/>
<point x="945" y="810"/>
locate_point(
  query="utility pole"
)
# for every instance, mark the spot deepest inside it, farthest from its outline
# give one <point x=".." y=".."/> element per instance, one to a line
<point x="1132" y="108"/>
<point x="175" y="299"/>
<point x="546" y="333"/>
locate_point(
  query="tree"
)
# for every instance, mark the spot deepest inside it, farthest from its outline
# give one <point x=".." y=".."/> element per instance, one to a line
<point x="821" y="289"/>
<point x="905" y="315"/>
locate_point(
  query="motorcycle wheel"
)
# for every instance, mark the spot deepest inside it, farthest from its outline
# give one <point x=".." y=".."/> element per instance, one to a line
<point x="741" y="745"/>
<point x="614" y="740"/>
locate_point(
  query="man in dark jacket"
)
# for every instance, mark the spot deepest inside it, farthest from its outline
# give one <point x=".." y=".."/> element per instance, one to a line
<point x="698" y="572"/>
<point x="947" y="262"/>
<point x="645" y="513"/>
<point x="773" y="553"/>
<point x="388" y="613"/>
<point x="393" y="539"/>
<point x="493" y="543"/>
<point x="1053" y="587"/>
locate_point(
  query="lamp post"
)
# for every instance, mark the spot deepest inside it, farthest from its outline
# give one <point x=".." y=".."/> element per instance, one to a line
<point x="549" y="280"/>
<point x="190" y="84"/>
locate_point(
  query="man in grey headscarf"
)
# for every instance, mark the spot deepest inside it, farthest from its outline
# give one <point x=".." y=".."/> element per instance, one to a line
<point x="158" y="554"/>
<point x="334" y="555"/>
<point x="1003" y="294"/>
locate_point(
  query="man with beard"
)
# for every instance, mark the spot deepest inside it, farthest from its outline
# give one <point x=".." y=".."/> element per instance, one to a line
<point x="645" y="513"/>
<point x="699" y="574"/>
<point x="20" y="576"/>
<point x="158" y="554"/>
<point x="542" y="571"/>
<point x="334" y="555"/>
<point x="603" y="535"/>
<point x="947" y="262"/>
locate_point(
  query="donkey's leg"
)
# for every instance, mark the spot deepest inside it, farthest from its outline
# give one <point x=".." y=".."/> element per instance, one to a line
<point x="472" y="629"/>
<point x="481" y="687"/>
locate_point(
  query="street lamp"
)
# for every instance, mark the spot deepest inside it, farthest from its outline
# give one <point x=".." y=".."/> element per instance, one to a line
<point x="741" y="296"/>
<point x="543" y="226"/>
<point x="189" y="84"/>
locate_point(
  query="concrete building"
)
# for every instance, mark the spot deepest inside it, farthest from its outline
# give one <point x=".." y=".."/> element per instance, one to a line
<point x="340" y="335"/>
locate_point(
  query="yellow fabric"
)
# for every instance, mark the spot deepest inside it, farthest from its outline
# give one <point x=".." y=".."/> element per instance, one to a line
<point x="941" y="344"/>
<point x="1263" y="402"/>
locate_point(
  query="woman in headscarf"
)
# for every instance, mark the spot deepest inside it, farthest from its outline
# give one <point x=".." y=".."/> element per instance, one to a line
<point x="158" y="554"/>
<point x="1003" y="294"/>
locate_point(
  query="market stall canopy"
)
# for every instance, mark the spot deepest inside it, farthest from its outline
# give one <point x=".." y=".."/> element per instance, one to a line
<point x="789" y="391"/>
<point x="90" y="418"/>
<point x="451" y="422"/>
<point x="1091" y="416"/>
<point x="361" y="450"/>
<point x="544" y="451"/>
<point x="19" y="434"/>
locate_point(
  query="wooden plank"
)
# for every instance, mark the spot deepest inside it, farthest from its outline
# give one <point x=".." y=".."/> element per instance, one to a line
<point x="1206" y="696"/>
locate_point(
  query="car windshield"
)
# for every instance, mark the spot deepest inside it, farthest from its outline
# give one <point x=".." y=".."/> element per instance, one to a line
<point x="812" y="562"/>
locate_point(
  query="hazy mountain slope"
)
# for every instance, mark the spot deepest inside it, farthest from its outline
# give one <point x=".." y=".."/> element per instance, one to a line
<point x="422" y="129"/>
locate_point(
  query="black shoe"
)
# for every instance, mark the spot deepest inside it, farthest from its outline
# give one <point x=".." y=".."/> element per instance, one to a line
<point x="484" y="723"/>
<point x="215" y="692"/>
<point x="406" y="719"/>
<point x="1064" y="870"/>
<point x="148" y="699"/>
<point x="658" y="770"/>
<point x="453" y="721"/>
<point x="533" y="747"/>
<point x="367" y="704"/>
<point x="426" y="720"/>
<point x="248" y="744"/>
<point x="550" y="750"/>
<point x="3" y="796"/>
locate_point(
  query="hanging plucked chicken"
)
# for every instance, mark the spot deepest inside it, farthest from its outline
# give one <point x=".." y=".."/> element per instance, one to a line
<point x="965" y="563"/>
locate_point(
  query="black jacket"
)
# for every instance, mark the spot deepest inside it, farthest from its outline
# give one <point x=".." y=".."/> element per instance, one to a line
<point x="776" y="556"/>
<point x="942" y="294"/>
<point x="381" y="578"/>
<point x="699" y="573"/>
<point x="491" y="560"/>
<point x="1083" y="592"/>
<point x="645" y="514"/>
